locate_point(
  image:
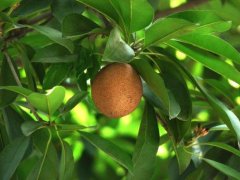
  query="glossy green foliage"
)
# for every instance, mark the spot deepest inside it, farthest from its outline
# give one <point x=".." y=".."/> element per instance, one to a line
<point x="6" y="79"/>
<point x="185" y="127"/>
<point x="116" y="49"/>
<point x="144" y="156"/>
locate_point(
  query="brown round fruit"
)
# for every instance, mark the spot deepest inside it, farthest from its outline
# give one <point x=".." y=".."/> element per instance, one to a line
<point x="116" y="90"/>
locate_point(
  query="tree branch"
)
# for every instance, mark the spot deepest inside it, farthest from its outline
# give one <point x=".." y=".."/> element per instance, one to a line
<point x="190" y="4"/>
<point x="9" y="61"/>
<point x="43" y="18"/>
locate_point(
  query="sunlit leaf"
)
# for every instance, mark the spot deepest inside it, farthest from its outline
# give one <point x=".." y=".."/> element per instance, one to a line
<point x="159" y="31"/>
<point x="200" y="17"/>
<point x="125" y="13"/>
<point x="213" y="44"/>
<point x="221" y="127"/>
<point x="49" y="102"/>
<point x="211" y="62"/>
<point x="182" y="23"/>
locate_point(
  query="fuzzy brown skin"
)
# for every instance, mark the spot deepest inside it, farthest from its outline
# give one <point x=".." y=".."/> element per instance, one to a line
<point x="117" y="90"/>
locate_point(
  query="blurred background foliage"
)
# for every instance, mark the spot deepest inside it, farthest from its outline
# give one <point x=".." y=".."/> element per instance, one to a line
<point x="90" y="163"/>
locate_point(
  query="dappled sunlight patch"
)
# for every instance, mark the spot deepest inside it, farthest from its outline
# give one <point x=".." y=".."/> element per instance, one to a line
<point x="163" y="152"/>
<point x="176" y="3"/>
<point x="180" y="55"/>
<point x="233" y="84"/>
<point x="237" y="100"/>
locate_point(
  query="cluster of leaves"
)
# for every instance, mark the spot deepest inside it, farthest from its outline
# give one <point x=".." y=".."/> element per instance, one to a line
<point x="49" y="43"/>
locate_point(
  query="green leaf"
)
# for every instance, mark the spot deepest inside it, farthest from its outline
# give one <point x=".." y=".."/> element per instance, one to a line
<point x="210" y="62"/>
<point x="182" y="23"/>
<point x="129" y="12"/>
<point x="20" y="90"/>
<point x="6" y="79"/>
<point x="222" y="146"/>
<point x="109" y="148"/>
<point x="213" y="44"/>
<point x="154" y="3"/>
<point x="165" y="29"/>
<point x="74" y="100"/>
<point x="49" y="102"/>
<point x="7" y="3"/>
<point x="222" y="88"/>
<point x="82" y="81"/>
<point x="105" y="7"/>
<point x="55" y="75"/>
<point x="12" y="120"/>
<point x="54" y="53"/>
<point x="22" y="52"/>
<point x="144" y="156"/>
<point x="174" y="107"/>
<point x="46" y="167"/>
<point x="55" y="36"/>
<point x="4" y="17"/>
<point x="151" y="97"/>
<point x="229" y="118"/>
<point x="36" y="40"/>
<point x="230" y="172"/>
<point x="29" y="127"/>
<point x="221" y="127"/>
<point x="177" y="88"/>
<point x="66" y="162"/>
<point x="178" y="128"/>
<point x="86" y="60"/>
<point x="200" y="17"/>
<point x="30" y="6"/>
<point x="183" y="158"/>
<point x="77" y="25"/>
<point x="125" y="13"/>
<point x="206" y="21"/>
<point x="62" y="8"/>
<point x="154" y="81"/>
<point x="116" y="49"/>
<point x="214" y="27"/>
<point x="11" y="156"/>
<point x="74" y="127"/>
